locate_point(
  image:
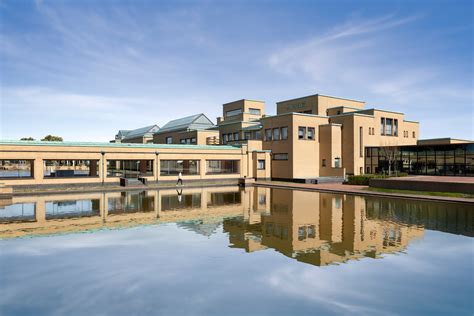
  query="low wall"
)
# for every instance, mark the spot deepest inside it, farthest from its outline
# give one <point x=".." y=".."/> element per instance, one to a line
<point x="398" y="184"/>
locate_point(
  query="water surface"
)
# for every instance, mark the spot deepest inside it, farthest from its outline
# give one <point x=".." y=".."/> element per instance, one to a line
<point x="229" y="251"/>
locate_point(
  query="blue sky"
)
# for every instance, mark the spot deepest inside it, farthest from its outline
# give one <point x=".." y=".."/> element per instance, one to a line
<point x="84" y="69"/>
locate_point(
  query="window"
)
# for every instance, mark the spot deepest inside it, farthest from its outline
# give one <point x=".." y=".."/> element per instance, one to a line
<point x="311" y="133"/>
<point x="225" y="138"/>
<point x="188" y="140"/>
<point x="301" y="132"/>
<point x="16" y="168"/>
<point x="231" y="137"/>
<point x="382" y="126"/>
<point x="247" y="135"/>
<point x="324" y="163"/>
<point x="70" y="168"/>
<point x="413" y="134"/>
<point x="72" y="208"/>
<point x="284" y="133"/>
<point x="268" y="135"/>
<point x="182" y="141"/>
<point x="169" y="140"/>
<point x="280" y="156"/>
<point x="254" y="111"/>
<point x="368" y="170"/>
<point x="276" y="134"/>
<point x="129" y="168"/>
<point x="337" y="162"/>
<point x="258" y="135"/>
<point x="236" y="136"/>
<point x="222" y="166"/>
<point x="261" y="164"/>
<point x="388" y="126"/>
<point x="361" y="142"/>
<point x="233" y="112"/>
<point x="174" y="167"/>
<point x="395" y="127"/>
<point x="193" y="140"/>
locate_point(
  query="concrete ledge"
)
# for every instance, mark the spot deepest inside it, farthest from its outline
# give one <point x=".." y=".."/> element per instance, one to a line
<point x="5" y="191"/>
<point x="358" y="190"/>
<point x="89" y="187"/>
<point x="243" y="182"/>
<point x="417" y="185"/>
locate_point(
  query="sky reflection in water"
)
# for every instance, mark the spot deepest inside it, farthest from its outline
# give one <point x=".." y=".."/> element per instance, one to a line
<point x="247" y="264"/>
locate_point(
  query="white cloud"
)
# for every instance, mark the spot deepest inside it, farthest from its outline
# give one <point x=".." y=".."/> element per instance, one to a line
<point x="371" y="60"/>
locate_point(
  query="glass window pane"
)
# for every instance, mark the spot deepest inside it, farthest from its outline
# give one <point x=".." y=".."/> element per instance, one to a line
<point x="15" y="168"/>
<point x="222" y="166"/>
<point x="301" y="132"/>
<point x="70" y="168"/>
<point x="174" y="167"/>
<point x="284" y="133"/>
<point x="276" y="134"/>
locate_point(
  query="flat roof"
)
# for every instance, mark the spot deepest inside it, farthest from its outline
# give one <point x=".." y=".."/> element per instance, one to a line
<point x="322" y="95"/>
<point x="355" y="113"/>
<point x="295" y="113"/>
<point x="345" y="106"/>
<point x="243" y="100"/>
<point x="375" y="109"/>
<point x="446" y="139"/>
<point x="115" y="145"/>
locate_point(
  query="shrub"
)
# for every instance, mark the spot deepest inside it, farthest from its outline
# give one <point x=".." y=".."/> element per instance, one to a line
<point x="363" y="179"/>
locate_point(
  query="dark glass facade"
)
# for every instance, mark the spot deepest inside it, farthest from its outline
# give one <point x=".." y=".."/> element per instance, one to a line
<point x="436" y="160"/>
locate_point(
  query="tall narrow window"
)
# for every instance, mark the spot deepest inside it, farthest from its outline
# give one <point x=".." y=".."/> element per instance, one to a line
<point x="311" y="133"/>
<point x="361" y="142"/>
<point x="337" y="162"/>
<point x="268" y="135"/>
<point x="301" y="132"/>
<point x="276" y="134"/>
<point x="231" y="137"/>
<point x="382" y="126"/>
<point x="284" y="133"/>
<point x="388" y="126"/>
<point x="236" y="136"/>
<point x="395" y="127"/>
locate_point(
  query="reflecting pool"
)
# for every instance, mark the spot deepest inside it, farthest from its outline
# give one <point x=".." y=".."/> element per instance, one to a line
<point x="232" y="251"/>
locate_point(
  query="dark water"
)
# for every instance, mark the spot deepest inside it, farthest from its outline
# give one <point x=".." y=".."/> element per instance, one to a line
<point x="225" y="251"/>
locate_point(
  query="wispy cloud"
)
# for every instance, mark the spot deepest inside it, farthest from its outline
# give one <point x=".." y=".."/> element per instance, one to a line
<point x="366" y="59"/>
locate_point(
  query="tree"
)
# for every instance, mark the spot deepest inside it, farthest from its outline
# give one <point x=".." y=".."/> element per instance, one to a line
<point x="52" y="138"/>
<point x="391" y="154"/>
<point x="27" y="138"/>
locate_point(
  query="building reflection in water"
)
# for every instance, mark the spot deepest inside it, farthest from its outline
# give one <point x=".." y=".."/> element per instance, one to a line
<point x="311" y="227"/>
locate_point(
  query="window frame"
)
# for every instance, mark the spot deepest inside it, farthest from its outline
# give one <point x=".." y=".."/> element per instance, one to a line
<point x="301" y="128"/>
<point x="277" y="154"/>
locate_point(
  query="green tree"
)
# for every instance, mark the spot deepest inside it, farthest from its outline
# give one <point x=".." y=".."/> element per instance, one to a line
<point x="52" y="138"/>
<point x="27" y="138"/>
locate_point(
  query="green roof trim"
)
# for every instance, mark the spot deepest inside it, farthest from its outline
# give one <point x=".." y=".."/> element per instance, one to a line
<point x="116" y="145"/>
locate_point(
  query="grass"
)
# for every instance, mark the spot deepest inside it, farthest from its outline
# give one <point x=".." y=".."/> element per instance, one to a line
<point x="430" y="193"/>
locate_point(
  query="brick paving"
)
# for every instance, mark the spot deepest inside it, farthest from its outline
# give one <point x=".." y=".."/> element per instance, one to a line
<point x="359" y="190"/>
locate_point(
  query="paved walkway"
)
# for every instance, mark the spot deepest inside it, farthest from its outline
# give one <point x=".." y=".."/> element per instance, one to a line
<point x="359" y="190"/>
